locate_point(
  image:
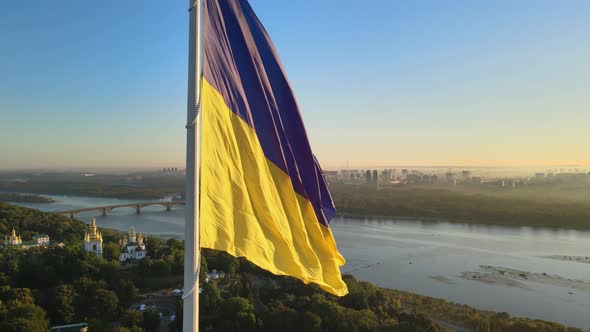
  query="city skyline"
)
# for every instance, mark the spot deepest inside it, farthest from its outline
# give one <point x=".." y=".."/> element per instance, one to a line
<point x="103" y="85"/>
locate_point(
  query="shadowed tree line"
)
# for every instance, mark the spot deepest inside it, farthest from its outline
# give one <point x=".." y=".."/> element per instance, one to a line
<point x="24" y="198"/>
<point x="468" y="206"/>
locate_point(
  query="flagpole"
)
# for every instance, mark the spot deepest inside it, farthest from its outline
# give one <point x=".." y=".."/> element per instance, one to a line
<point x="191" y="231"/>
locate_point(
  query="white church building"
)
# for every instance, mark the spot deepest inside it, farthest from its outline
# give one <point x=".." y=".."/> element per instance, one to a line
<point x="93" y="239"/>
<point x="133" y="248"/>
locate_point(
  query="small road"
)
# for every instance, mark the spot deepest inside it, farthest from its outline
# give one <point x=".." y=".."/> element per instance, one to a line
<point x="451" y="326"/>
<point x="165" y="303"/>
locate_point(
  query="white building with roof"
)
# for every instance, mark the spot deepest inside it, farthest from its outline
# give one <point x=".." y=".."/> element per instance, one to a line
<point x="39" y="240"/>
<point x="133" y="248"/>
<point x="13" y="239"/>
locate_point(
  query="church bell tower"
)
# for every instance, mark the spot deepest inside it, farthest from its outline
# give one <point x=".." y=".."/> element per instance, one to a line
<point x="93" y="239"/>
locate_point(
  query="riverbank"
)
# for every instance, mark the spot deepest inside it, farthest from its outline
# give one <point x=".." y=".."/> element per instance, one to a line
<point x="432" y="220"/>
<point x="459" y="206"/>
<point x="423" y="205"/>
<point x="541" y="206"/>
<point x="430" y="259"/>
<point x="364" y="298"/>
<point x="24" y="198"/>
<point x="565" y="258"/>
<point x="94" y="192"/>
<point x="99" y="187"/>
<point x="424" y="258"/>
<point x="517" y="278"/>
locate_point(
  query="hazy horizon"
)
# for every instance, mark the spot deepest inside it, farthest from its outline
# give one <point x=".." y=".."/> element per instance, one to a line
<point x="343" y="166"/>
<point x="489" y="170"/>
<point x="500" y="84"/>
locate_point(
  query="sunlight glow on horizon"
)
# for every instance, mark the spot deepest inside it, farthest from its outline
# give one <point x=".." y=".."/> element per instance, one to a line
<point x="410" y="84"/>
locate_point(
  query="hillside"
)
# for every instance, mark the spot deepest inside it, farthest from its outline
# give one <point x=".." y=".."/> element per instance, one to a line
<point x="57" y="285"/>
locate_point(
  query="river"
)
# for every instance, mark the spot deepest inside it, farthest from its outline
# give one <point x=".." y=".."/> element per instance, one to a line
<point x="488" y="267"/>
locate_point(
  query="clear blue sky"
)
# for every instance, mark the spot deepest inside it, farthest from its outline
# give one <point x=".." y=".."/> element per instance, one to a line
<point x="380" y="82"/>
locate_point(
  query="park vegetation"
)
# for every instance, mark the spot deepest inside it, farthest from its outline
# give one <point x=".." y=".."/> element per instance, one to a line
<point x="63" y="284"/>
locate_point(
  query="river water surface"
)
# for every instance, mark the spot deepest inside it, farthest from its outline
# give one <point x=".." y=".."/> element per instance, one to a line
<point x="437" y="259"/>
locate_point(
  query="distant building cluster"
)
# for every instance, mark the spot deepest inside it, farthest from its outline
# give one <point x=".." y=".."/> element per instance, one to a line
<point x="368" y="177"/>
<point x="14" y="240"/>
<point x="383" y="177"/>
<point x="555" y="177"/>
<point x="172" y="171"/>
<point x="392" y="177"/>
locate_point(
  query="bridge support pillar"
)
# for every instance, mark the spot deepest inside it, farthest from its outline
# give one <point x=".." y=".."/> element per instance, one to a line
<point x="138" y="210"/>
<point x="169" y="207"/>
<point x="104" y="212"/>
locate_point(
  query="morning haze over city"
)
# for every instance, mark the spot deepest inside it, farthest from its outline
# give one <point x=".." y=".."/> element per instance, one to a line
<point x="257" y="165"/>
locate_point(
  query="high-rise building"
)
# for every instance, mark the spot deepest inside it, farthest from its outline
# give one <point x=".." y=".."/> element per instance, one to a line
<point x="368" y="176"/>
<point x="386" y="176"/>
<point x="375" y="177"/>
<point x="450" y="177"/>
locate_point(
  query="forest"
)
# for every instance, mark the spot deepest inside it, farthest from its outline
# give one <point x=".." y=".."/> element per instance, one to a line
<point x="456" y="205"/>
<point x="62" y="284"/>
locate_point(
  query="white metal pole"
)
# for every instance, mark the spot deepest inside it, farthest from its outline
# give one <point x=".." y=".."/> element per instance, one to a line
<point x="191" y="232"/>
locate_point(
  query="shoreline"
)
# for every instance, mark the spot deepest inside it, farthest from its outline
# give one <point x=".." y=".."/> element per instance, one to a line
<point x="455" y="221"/>
<point x="88" y="195"/>
<point x="435" y="306"/>
<point x="29" y="198"/>
<point x="423" y="205"/>
<point x="342" y="214"/>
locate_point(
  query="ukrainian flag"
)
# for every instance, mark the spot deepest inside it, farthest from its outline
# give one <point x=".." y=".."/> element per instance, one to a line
<point x="263" y="193"/>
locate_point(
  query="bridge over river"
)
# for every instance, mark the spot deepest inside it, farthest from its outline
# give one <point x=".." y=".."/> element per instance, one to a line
<point x="104" y="210"/>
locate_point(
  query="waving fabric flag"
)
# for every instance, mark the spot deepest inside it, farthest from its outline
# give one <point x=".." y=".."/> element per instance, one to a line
<point x="263" y="193"/>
